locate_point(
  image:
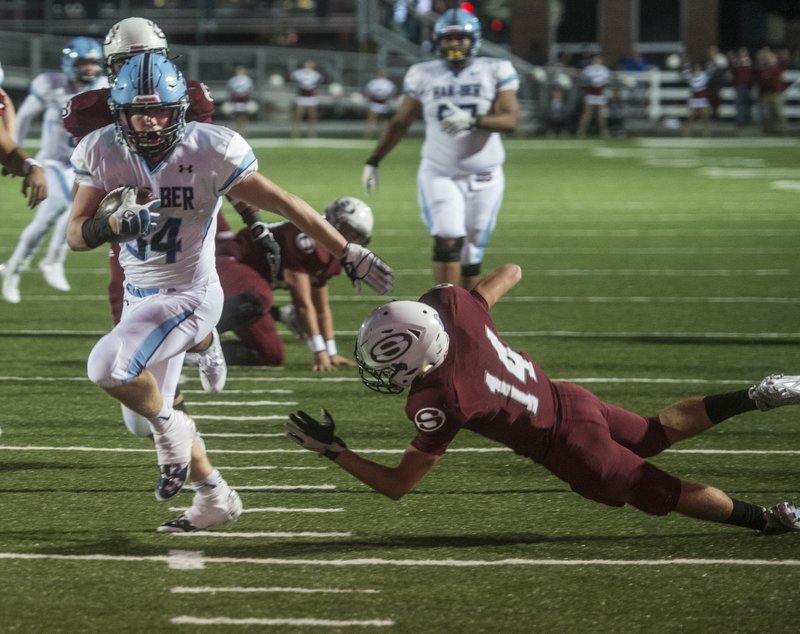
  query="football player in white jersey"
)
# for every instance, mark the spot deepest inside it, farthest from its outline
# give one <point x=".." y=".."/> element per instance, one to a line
<point x="173" y="297"/>
<point x="466" y="101"/>
<point x="81" y="65"/>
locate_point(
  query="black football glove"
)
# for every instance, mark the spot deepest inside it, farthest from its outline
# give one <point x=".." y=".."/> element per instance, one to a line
<point x="264" y="239"/>
<point x="314" y="435"/>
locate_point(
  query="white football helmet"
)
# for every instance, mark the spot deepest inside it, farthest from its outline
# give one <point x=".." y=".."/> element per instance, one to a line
<point x="130" y="37"/>
<point x="352" y="218"/>
<point x="399" y="342"/>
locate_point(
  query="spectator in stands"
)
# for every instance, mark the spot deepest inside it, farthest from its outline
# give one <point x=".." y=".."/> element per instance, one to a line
<point x="596" y="78"/>
<point x="699" y="108"/>
<point x="240" y="99"/>
<point x="634" y="61"/>
<point x="742" y="80"/>
<point x="769" y="76"/>
<point x="379" y="91"/>
<point x="308" y="80"/>
<point x="557" y="114"/>
<point x="715" y="68"/>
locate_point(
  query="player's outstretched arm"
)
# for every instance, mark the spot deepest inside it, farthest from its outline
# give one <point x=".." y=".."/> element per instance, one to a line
<point x="320" y="437"/>
<point x="498" y="283"/>
<point x="408" y="112"/>
<point x="393" y="482"/>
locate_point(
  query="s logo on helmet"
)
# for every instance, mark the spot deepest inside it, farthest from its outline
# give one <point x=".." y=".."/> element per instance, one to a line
<point x="429" y="419"/>
<point x="390" y="348"/>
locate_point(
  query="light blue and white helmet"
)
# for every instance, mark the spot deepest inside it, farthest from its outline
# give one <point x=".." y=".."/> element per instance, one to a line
<point x="457" y="22"/>
<point x="74" y="56"/>
<point x="149" y="81"/>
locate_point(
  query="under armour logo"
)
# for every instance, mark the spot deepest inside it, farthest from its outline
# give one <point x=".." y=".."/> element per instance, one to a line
<point x="185" y="168"/>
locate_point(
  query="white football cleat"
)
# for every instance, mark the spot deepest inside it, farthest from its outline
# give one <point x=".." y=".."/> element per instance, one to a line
<point x="287" y="315"/>
<point x="174" y="451"/>
<point x="775" y="391"/>
<point x="10" y="284"/>
<point x="54" y="275"/>
<point x="212" y="366"/>
<point x="781" y="518"/>
<point x="205" y="512"/>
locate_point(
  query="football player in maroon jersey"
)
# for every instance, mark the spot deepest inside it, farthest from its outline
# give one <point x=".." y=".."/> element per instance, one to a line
<point x="461" y="375"/>
<point x="305" y="270"/>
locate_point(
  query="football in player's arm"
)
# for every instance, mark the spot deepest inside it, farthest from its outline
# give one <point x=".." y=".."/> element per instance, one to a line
<point x="445" y="350"/>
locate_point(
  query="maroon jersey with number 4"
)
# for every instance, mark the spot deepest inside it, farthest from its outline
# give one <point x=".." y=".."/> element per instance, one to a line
<point x="482" y="385"/>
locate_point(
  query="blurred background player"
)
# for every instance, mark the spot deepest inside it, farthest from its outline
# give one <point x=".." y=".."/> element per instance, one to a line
<point x="379" y="91"/>
<point x="595" y="77"/>
<point x="306" y="102"/>
<point x="466" y="101"/>
<point x="305" y="270"/>
<point x="240" y="99"/>
<point x="15" y="160"/>
<point x="81" y="69"/>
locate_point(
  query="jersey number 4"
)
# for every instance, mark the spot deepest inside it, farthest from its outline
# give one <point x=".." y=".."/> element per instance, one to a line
<point x="520" y="368"/>
<point x="165" y="240"/>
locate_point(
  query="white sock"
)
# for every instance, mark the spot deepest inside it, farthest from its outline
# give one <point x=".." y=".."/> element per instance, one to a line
<point x="212" y="485"/>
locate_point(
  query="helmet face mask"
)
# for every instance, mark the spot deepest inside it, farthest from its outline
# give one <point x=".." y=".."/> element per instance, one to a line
<point x="149" y="84"/>
<point x="82" y="60"/>
<point x="352" y="218"/>
<point x="130" y="37"/>
<point x="454" y="27"/>
<point x="399" y="342"/>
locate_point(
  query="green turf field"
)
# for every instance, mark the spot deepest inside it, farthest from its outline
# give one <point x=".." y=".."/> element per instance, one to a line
<point x="653" y="270"/>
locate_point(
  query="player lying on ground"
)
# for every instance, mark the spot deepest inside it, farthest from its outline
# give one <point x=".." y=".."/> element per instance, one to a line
<point x="445" y="350"/>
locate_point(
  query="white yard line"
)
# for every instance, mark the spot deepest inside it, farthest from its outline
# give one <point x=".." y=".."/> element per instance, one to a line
<point x="271" y="509"/>
<point x="255" y="534"/>
<point x="411" y="563"/>
<point x="305" y="622"/>
<point x="278" y="589"/>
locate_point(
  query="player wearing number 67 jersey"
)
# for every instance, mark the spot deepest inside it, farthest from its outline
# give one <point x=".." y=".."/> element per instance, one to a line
<point x="460" y="374"/>
<point x="465" y="101"/>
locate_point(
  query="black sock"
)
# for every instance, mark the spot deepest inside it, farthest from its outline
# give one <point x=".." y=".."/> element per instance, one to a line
<point x="747" y="515"/>
<point x="720" y="407"/>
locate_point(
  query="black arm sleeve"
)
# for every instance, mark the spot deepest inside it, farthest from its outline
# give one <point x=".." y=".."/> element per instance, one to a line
<point x="96" y="231"/>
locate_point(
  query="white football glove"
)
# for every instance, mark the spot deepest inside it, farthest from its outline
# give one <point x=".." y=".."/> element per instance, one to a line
<point x="361" y="264"/>
<point x="369" y="178"/>
<point x="457" y="121"/>
<point x="135" y="220"/>
<point x="313" y="435"/>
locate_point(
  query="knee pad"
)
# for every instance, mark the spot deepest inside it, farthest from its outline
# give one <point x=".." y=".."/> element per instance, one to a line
<point x="136" y="424"/>
<point x="238" y="310"/>
<point x="100" y="367"/>
<point x="447" y="249"/>
<point x="471" y="270"/>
